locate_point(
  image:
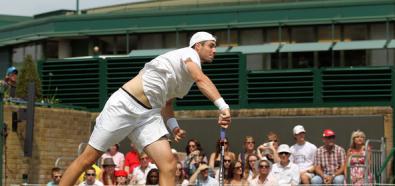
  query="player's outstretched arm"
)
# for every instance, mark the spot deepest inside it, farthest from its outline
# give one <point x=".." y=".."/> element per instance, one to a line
<point x="207" y="87"/>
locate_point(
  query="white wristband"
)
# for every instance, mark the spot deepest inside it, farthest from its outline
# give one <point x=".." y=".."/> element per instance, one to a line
<point x="220" y="103"/>
<point x="172" y="124"/>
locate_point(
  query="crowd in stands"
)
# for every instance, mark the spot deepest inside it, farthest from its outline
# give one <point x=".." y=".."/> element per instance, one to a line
<point x="270" y="163"/>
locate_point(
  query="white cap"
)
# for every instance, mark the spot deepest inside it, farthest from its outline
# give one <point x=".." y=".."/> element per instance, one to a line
<point x="283" y="148"/>
<point x="298" y="129"/>
<point x="199" y="37"/>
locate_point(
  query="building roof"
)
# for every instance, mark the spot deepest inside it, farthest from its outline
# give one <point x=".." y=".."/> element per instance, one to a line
<point x="201" y="18"/>
<point x="10" y="19"/>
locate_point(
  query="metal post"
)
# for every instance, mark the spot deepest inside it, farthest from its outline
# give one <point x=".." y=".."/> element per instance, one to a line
<point x="78" y="7"/>
<point x="2" y="137"/>
<point x="28" y="146"/>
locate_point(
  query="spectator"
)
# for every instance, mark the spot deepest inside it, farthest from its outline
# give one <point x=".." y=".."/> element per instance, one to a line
<point x="192" y="145"/>
<point x="118" y="157"/>
<point x="108" y="173"/>
<point x="250" y="168"/>
<point x="198" y="158"/>
<point x="329" y="161"/>
<point x="215" y="157"/>
<point x="249" y="148"/>
<point x="302" y="154"/>
<point x="56" y="174"/>
<point x="201" y="177"/>
<point x="139" y="175"/>
<point x="286" y="172"/>
<point x="192" y="149"/>
<point x="237" y="174"/>
<point x="121" y="177"/>
<point x="357" y="169"/>
<point x="132" y="159"/>
<point x="97" y="172"/>
<point x="269" y="149"/>
<point x="227" y="169"/>
<point x="90" y="178"/>
<point x="8" y="84"/>
<point x="152" y="177"/>
<point x="264" y="178"/>
<point x="180" y="175"/>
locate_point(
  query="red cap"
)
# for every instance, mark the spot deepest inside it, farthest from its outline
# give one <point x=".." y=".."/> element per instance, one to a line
<point x="120" y="173"/>
<point x="328" y="133"/>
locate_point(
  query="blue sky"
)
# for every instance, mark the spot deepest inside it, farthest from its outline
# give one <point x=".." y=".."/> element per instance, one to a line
<point x="32" y="7"/>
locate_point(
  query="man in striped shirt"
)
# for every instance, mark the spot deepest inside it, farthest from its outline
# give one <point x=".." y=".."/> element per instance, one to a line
<point x="329" y="161"/>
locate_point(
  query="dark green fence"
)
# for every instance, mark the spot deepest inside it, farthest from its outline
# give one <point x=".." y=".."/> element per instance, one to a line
<point x="89" y="82"/>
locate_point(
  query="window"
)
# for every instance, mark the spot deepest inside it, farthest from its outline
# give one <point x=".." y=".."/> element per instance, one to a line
<point x="272" y="35"/>
<point x="170" y="40"/>
<point x="150" y="41"/>
<point x="325" y="33"/>
<point x="251" y="37"/>
<point x="355" y="32"/>
<point x="226" y="37"/>
<point x="303" y="34"/>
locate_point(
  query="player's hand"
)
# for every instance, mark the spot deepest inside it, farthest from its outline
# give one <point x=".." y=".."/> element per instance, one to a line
<point x="178" y="134"/>
<point x="224" y="118"/>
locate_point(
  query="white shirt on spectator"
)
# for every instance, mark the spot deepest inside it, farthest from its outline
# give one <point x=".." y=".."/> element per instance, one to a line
<point x="269" y="181"/>
<point x="303" y="155"/>
<point x="141" y="176"/>
<point x="97" y="183"/>
<point x="288" y="175"/>
<point x="208" y="182"/>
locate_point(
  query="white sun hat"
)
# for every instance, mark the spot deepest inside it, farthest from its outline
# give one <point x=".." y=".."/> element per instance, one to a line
<point x="199" y="37"/>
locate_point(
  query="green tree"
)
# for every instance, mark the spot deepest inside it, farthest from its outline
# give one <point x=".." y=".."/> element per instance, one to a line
<point x="27" y="74"/>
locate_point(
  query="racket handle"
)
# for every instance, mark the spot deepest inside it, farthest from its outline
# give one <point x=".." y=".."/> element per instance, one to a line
<point x="222" y="134"/>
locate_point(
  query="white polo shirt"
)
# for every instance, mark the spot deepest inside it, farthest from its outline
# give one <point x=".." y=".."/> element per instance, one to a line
<point x="141" y="176"/>
<point x="303" y="155"/>
<point x="167" y="77"/>
<point x="286" y="175"/>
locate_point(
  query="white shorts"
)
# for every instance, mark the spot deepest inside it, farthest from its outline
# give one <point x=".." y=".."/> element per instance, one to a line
<point x="123" y="116"/>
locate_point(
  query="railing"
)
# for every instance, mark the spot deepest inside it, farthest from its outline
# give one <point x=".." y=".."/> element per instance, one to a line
<point x="88" y="82"/>
<point x="63" y="162"/>
<point x="384" y="166"/>
<point x="373" y="157"/>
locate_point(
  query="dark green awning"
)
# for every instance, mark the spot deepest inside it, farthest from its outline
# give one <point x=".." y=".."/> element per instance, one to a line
<point x="360" y="45"/>
<point x="391" y="44"/>
<point x="256" y="49"/>
<point x="306" y="47"/>
<point x="152" y="52"/>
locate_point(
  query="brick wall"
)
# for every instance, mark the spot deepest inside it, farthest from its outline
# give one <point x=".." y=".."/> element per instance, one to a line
<point x="57" y="133"/>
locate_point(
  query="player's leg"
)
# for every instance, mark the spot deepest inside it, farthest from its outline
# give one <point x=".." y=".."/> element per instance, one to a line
<point x="85" y="160"/>
<point x="160" y="152"/>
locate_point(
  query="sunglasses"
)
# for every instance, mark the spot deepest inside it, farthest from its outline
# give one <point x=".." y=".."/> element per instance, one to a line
<point x="283" y="153"/>
<point x="264" y="166"/>
<point x="238" y="167"/>
<point x="227" y="160"/>
<point x="191" y="145"/>
<point x="57" y="176"/>
<point x="87" y="174"/>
